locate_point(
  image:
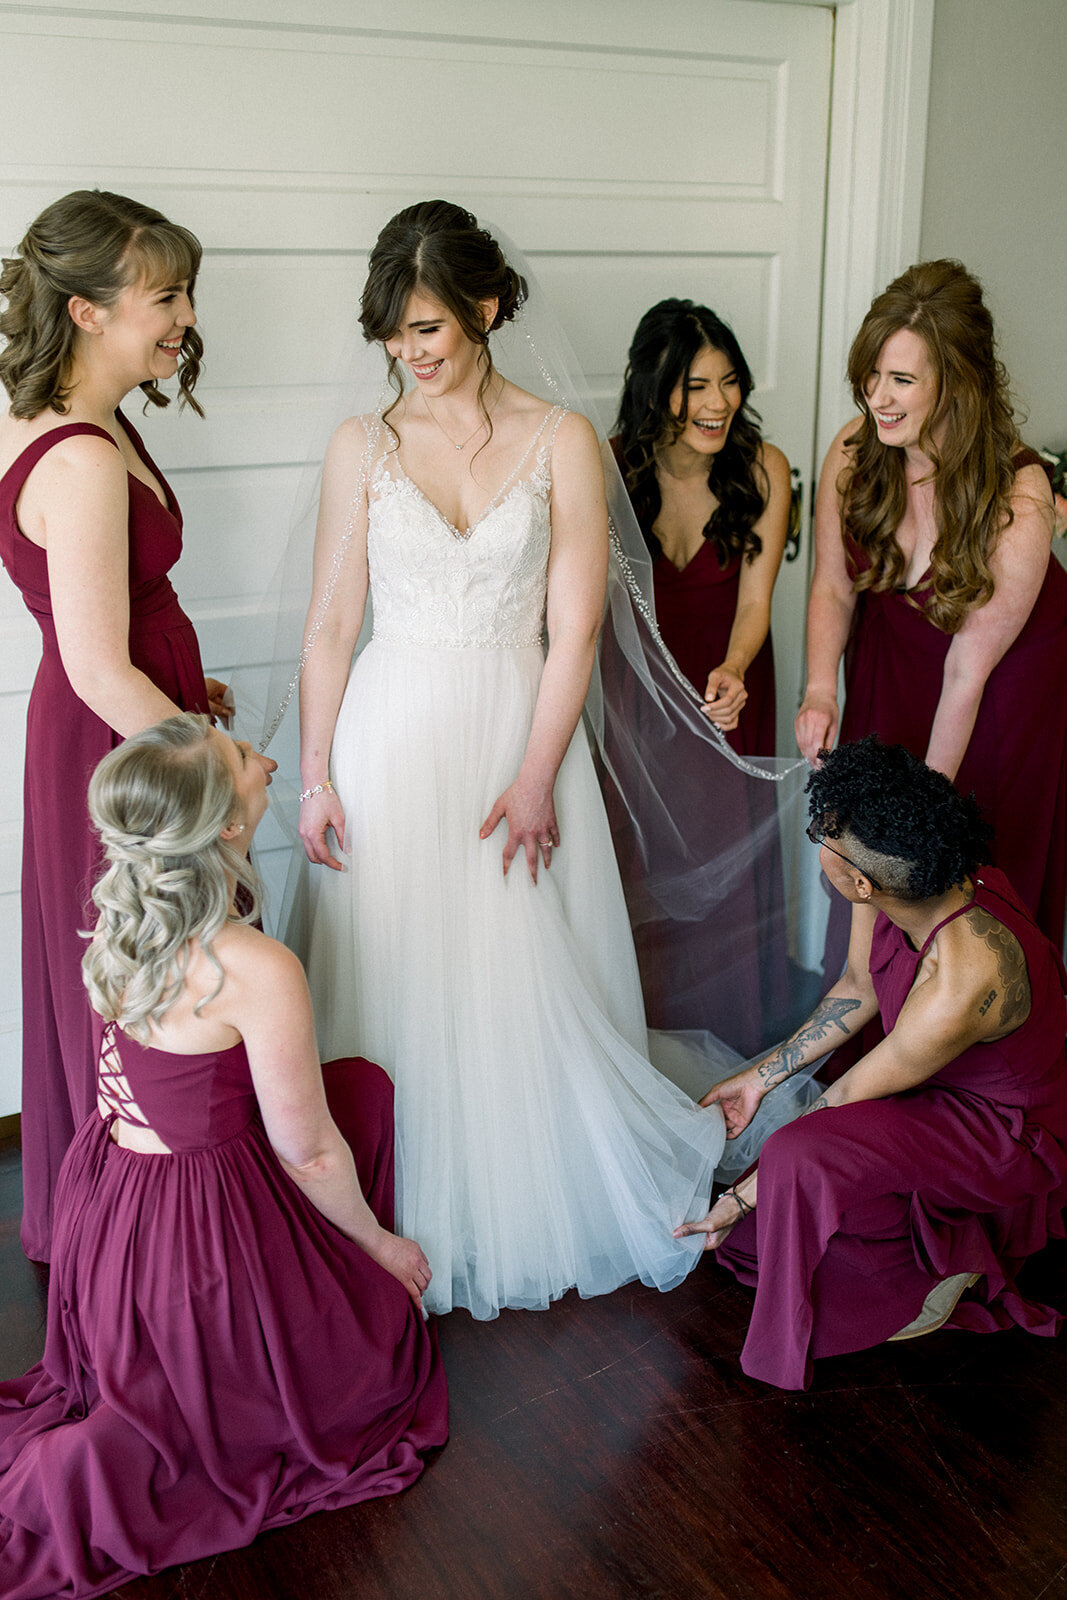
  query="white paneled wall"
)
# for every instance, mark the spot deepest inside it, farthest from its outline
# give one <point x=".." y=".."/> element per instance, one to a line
<point x="633" y="150"/>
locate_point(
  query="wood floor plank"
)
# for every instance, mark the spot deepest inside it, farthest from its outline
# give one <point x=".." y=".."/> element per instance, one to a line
<point x="612" y="1449"/>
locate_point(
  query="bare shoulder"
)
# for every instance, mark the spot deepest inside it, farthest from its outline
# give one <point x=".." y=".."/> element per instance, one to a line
<point x="251" y="957"/>
<point x="84" y="457"/>
<point x="576" y="439"/>
<point x="350" y="436"/>
<point x="984" y="963"/>
<point x="775" y="464"/>
<point x="1032" y="482"/>
<point x="840" y="451"/>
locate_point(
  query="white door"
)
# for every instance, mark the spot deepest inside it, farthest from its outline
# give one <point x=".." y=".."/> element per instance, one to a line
<point x="634" y="150"/>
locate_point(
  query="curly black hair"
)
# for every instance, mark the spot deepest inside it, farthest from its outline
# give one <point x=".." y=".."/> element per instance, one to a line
<point x="922" y="835"/>
<point x="668" y="340"/>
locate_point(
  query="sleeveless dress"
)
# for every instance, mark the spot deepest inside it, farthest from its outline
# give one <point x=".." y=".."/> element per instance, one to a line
<point x="60" y="857"/>
<point x="691" y="976"/>
<point x="695" y="609"/>
<point x="537" y="1149"/>
<point x="219" y="1358"/>
<point x="1016" y="761"/>
<point x="863" y="1208"/>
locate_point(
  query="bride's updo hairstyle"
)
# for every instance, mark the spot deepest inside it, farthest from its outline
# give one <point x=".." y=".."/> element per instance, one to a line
<point x="973" y="473"/>
<point x="91" y="244"/>
<point x="438" y="250"/>
<point x="159" y="803"/>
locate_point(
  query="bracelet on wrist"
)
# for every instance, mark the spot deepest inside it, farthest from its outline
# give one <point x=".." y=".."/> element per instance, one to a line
<point x="325" y="787"/>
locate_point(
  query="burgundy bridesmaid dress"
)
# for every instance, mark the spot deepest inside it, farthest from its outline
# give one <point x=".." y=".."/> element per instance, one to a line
<point x="695" y="609"/>
<point x="219" y="1358"/>
<point x="1016" y="761"/>
<point x="724" y="966"/>
<point x="863" y="1208"/>
<point x="60" y="855"/>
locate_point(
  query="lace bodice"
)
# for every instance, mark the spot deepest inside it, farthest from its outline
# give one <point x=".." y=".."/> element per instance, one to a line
<point x="432" y="585"/>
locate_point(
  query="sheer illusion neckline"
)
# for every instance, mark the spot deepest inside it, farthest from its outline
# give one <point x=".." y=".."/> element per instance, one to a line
<point x="509" y="483"/>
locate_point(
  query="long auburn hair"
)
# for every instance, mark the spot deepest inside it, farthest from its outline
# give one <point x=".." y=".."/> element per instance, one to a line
<point x="969" y="437"/>
<point x="159" y="801"/>
<point x="437" y="249"/>
<point x="668" y="340"/>
<point x="92" y="244"/>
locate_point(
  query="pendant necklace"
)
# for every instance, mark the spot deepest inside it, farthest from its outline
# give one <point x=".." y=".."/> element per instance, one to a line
<point x="477" y="429"/>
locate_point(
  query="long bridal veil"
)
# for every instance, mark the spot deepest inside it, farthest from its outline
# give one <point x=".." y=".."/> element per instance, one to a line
<point x="706" y="840"/>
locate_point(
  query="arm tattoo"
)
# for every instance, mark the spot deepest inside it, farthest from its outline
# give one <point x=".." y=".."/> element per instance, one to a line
<point x="789" y="1057"/>
<point x="1011" y="968"/>
<point x="816" y="1105"/>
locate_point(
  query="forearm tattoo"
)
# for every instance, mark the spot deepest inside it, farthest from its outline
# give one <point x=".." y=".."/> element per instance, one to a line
<point x="1014" y="980"/>
<point x="828" y="1016"/>
<point x="816" y="1105"/>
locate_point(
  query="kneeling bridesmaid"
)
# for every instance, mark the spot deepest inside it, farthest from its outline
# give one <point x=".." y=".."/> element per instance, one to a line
<point x="235" y="1337"/>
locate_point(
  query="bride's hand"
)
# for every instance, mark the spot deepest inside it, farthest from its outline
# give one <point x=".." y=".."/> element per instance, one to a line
<point x="318" y="815"/>
<point x="531" y="818"/>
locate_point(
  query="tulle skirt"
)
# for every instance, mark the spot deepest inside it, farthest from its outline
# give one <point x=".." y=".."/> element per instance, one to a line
<point x="537" y="1148"/>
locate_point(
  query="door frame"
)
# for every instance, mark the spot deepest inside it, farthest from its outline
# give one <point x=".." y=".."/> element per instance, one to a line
<point x="883" y="53"/>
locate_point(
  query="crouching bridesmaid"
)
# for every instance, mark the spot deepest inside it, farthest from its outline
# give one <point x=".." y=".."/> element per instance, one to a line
<point x="234" y="1337"/>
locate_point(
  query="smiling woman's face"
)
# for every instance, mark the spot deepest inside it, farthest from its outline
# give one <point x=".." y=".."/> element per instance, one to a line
<point x="708" y="402"/>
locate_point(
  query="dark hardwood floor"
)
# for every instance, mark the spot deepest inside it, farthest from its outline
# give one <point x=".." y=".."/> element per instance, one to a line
<point x="613" y="1447"/>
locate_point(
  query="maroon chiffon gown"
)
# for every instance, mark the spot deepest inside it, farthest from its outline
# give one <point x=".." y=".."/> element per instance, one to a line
<point x="695" y="609"/>
<point x="863" y="1208"/>
<point x="1016" y="761"/>
<point x="219" y="1358"/>
<point x="60" y="855"/>
<point x="723" y="966"/>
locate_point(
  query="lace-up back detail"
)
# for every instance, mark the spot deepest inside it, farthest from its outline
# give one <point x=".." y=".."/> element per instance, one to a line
<point x="114" y="1096"/>
<point x="433" y="585"/>
<point x="189" y="1102"/>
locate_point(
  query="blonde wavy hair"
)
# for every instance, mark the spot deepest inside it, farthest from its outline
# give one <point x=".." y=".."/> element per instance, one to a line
<point x="973" y="471"/>
<point x="159" y="803"/>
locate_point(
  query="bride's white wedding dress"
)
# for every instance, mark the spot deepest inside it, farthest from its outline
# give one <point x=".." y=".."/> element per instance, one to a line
<point x="537" y="1148"/>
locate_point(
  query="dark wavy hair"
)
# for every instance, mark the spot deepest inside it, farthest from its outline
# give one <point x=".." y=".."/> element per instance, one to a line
<point x="437" y="249"/>
<point x="668" y="340"/>
<point x="973" y="471"/>
<point x="921" y="834"/>
<point x="94" y="245"/>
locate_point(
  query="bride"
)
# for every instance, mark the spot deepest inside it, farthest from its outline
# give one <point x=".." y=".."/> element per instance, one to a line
<point x="468" y="928"/>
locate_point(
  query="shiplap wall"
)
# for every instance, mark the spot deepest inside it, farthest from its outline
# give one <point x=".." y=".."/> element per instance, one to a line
<point x="633" y="150"/>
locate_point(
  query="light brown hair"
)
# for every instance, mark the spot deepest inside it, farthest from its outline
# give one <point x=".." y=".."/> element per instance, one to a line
<point x="972" y="421"/>
<point x="91" y="244"/>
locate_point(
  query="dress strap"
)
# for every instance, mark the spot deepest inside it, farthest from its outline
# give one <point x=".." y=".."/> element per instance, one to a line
<point x="26" y="460"/>
<point x="959" y="911"/>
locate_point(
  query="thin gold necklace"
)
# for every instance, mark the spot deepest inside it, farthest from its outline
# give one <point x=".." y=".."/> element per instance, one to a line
<point x="477" y="429"/>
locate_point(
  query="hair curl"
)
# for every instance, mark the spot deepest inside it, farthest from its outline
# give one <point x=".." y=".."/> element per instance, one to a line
<point x="159" y="802"/>
<point x="437" y="249"/>
<point x="668" y="340"/>
<point x="94" y="245"/>
<point x="921" y="834"/>
<point x="969" y="436"/>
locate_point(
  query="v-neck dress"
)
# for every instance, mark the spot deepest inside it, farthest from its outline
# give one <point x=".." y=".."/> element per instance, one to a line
<point x="537" y="1148"/>
<point x="1016" y="760"/>
<point x="863" y="1208"/>
<point x="60" y="855"/>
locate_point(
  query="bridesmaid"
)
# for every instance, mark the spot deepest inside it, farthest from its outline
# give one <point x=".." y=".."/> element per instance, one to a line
<point x="99" y="302"/>
<point x="712" y="499"/>
<point x="234" y="1332"/>
<point x="933" y="577"/>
